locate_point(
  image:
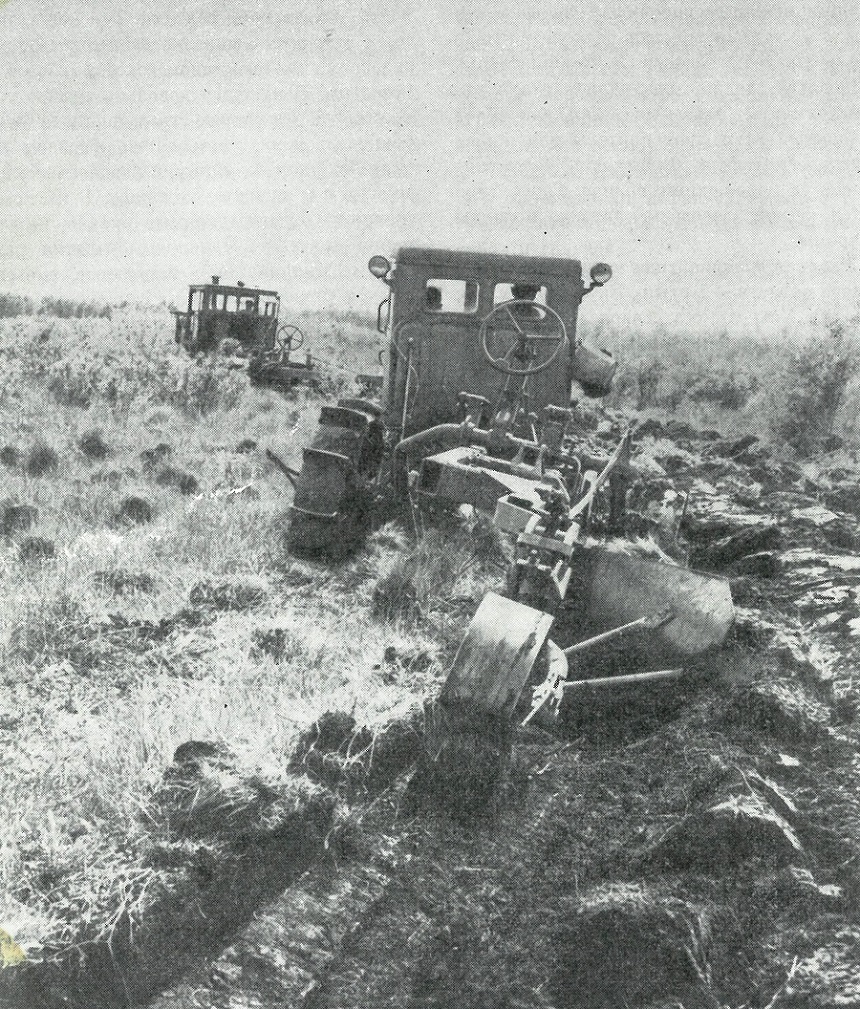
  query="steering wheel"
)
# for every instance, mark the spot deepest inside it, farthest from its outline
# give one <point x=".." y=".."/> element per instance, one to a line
<point x="524" y="345"/>
<point x="290" y="337"/>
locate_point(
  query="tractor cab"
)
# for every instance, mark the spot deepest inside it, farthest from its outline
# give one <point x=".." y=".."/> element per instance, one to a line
<point x="217" y="312"/>
<point x="493" y="326"/>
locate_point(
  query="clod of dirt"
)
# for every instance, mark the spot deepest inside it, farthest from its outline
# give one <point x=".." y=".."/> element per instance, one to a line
<point x="829" y="978"/>
<point x="741" y="827"/>
<point x="626" y="945"/>
<point x="463" y="761"/>
<point x="731" y="780"/>
<point x="783" y="709"/>
<point x="336" y="751"/>
<point x="93" y="445"/>
<point x="191" y="758"/>
<point x="246" y="445"/>
<point x="42" y="460"/>
<point x="16" y="518"/>
<point x="731" y="449"/>
<point x="10" y="456"/>
<point x="237" y="594"/>
<point x="206" y="794"/>
<point x="760" y="565"/>
<point x="728" y="551"/>
<point x="152" y="457"/>
<point x="121" y="582"/>
<point x="842" y="536"/>
<point x="649" y="428"/>
<point x="185" y="483"/>
<point x="747" y="591"/>
<point x="417" y="660"/>
<point x="35" y="549"/>
<point x="324" y="749"/>
<point x="796" y="888"/>
<point x="133" y="511"/>
<point x="843" y="498"/>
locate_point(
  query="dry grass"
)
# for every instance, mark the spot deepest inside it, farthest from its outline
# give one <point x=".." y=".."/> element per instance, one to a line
<point x="138" y="637"/>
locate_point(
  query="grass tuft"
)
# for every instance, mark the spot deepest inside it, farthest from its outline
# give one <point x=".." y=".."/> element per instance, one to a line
<point x="93" y="446"/>
<point x="42" y="460"/>
<point x="133" y="511"/>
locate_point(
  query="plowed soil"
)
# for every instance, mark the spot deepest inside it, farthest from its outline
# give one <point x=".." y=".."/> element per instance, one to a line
<point x="692" y="846"/>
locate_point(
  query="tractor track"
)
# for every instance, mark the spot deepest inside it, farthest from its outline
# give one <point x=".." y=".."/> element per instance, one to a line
<point x="361" y="928"/>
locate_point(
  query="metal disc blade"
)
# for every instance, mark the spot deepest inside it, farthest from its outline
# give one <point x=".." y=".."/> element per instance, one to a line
<point x="619" y="587"/>
<point x="496" y="655"/>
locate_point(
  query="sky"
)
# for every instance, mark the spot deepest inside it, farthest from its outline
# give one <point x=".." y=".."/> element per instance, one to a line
<point x="710" y="152"/>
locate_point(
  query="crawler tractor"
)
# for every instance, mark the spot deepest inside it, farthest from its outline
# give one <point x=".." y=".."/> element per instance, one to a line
<point x="218" y="312"/>
<point x="480" y="361"/>
<point x="244" y="320"/>
<point x="483" y="373"/>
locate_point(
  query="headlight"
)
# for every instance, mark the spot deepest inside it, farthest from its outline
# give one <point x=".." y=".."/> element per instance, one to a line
<point x="379" y="266"/>
<point x="600" y="274"/>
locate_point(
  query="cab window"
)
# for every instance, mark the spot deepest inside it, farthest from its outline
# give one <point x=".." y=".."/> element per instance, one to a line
<point x="522" y="291"/>
<point x="459" y="296"/>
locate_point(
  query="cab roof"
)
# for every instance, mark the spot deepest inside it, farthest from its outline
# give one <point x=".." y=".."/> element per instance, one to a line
<point x="242" y="292"/>
<point x="491" y="262"/>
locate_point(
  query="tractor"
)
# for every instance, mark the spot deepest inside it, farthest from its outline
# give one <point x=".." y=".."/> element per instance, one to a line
<point x="244" y="321"/>
<point x="483" y="378"/>
<point x="481" y="355"/>
<point x="245" y="316"/>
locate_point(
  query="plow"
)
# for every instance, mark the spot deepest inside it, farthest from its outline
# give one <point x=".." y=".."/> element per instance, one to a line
<point x="483" y="379"/>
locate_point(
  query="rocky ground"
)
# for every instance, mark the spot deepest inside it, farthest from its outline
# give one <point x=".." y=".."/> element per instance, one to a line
<point x="692" y="846"/>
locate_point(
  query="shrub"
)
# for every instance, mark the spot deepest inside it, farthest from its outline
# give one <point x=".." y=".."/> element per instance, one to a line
<point x="812" y="388"/>
<point x="16" y="518"/>
<point x="648" y="382"/>
<point x="732" y="392"/>
<point x="67" y="308"/>
<point x="12" y="305"/>
<point x="152" y="457"/>
<point x="177" y="479"/>
<point x="33" y="549"/>
<point x="10" y="456"/>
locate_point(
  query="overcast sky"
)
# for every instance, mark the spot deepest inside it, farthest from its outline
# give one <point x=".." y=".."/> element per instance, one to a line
<point x="709" y="151"/>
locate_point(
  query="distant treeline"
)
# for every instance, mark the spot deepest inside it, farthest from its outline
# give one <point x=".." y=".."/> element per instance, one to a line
<point x="12" y="305"/>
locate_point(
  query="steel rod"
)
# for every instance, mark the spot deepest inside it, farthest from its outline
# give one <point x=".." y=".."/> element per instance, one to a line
<point x="580" y="646"/>
<point x="630" y="679"/>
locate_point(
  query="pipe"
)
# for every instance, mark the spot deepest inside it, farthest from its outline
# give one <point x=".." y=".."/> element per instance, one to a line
<point x="650" y="622"/>
<point x="440" y="431"/>
<point x="629" y="679"/>
<point x="290" y="473"/>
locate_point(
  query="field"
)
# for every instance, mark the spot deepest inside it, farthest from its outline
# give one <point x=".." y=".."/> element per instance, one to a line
<point x="149" y="602"/>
